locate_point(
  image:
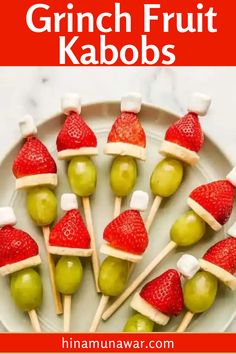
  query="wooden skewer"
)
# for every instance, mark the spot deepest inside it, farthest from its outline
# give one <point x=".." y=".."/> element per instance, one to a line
<point x="117" y="208"/>
<point x="97" y="318"/>
<point x="89" y="221"/>
<point x="67" y="312"/>
<point x="154" y="208"/>
<point x="51" y="267"/>
<point x="142" y="276"/>
<point x="185" y="322"/>
<point x="34" y="321"/>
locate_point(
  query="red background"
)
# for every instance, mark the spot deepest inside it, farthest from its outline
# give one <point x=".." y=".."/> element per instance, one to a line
<point x="20" y="46"/>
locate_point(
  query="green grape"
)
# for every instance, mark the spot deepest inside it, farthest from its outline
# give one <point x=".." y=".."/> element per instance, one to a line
<point x="139" y="323"/>
<point x="200" y="292"/>
<point x="166" y="177"/>
<point x="113" y="276"/>
<point x="26" y="289"/>
<point x="188" y="229"/>
<point x="82" y="176"/>
<point x="41" y="204"/>
<point x="68" y="275"/>
<point x="123" y="175"/>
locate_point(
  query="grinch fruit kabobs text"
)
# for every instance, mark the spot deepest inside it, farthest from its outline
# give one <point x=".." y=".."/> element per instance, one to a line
<point x="218" y="263"/>
<point x="36" y="171"/>
<point x="127" y="240"/>
<point x="18" y="257"/>
<point x="76" y="142"/>
<point x="183" y="140"/>
<point x="70" y="239"/>
<point x="211" y="203"/>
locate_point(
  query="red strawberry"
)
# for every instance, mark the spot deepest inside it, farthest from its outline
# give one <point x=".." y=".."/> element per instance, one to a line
<point x="165" y="293"/>
<point x="127" y="232"/>
<point x="33" y="159"/>
<point x="187" y="132"/>
<point x="15" y="246"/>
<point x="223" y="254"/>
<point x="127" y="129"/>
<point x="70" y="231"/>
<point x="75" y="134"/>
<point x="217" y="198"/>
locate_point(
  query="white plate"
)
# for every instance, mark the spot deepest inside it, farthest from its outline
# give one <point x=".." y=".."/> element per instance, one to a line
<point x="100" y="116"/>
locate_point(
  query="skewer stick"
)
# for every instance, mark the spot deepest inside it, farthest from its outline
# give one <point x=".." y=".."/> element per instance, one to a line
<point x="142" y="276"/>
<point x="67" y="312"/>
<point x="51" y="267"/>
<point x="89" y="221"/>
<point x="154" y="208"/>
<point x="117" y="208"/>
<point x="185" y="322"/>
<point x="97" y="318"/>
<point x="34" y="321"/>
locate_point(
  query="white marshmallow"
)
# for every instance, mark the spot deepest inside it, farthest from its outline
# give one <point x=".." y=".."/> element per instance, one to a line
<point x="232" y="230"/>
<point x="188" y="265"/>
<point x="7" y="216"/>
<point x="131" y="103"/>
<point x="69" y="201"/>
<point x="139" y="201"/>
<point x="199" y="103"/>
<point x="71" y="102"/>
<point x="27" y="126"/>
<point x="231" y="176"/>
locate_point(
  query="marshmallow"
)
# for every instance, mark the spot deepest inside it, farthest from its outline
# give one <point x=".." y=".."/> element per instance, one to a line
<point x="27" y="126"/>
<point x="71" y="102"/>
<point x="188" y="265"/>
<point x="199" y="104"/>
<point x="131" y="103"/>
<point x="7" y="216"/>
<point x="69" y="201"/>
<point x="139" y="201"/>
<point x="231" y="176"/>
<point x="232" y="230"/>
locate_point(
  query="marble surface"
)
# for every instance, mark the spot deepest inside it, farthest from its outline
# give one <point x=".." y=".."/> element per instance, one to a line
<point x="37" y="90"/>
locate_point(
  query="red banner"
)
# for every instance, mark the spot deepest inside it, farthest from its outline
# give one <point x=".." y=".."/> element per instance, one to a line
<point x="160" y="32"/>
<point x="115" y="343"/>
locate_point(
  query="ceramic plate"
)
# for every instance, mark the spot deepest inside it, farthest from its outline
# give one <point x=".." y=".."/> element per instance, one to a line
<point x="100" y="116"/>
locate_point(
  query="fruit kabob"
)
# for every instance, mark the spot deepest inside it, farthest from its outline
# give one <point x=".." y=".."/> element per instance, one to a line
<point x="69" y="239"/>
<point x="218" y="263"/>
<point x="76" y="142"/>
<point x="126" y="141"/>
<point x="211" y="204"/>
<point x="36" y="171"/>
<point x="183" y="140"/>
<point x="19" y="254"/>
<point x="126" y="240"/>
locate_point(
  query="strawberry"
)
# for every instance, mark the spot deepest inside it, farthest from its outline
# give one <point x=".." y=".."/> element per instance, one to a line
<point x="33" y="159"/>
<point x="223" y="254"/>
<point x="75" y="134"/>
<point x="165" y="293"/>
<point x="187" y="132"/>
<point x="217" y="198"/>
<point x="127" y="129"/>
<point x="127" y="232"/>
<point x="15" y="246"/>
<point x="70" y="231"/>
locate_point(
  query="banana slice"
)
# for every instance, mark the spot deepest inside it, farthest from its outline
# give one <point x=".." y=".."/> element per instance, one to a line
<point x="15" y="267"/>
<point x="70" y="153"/>
<point x="227" y="278"/>
<point x="69" y="251"/>
<point x="143" y="307"/>
<point x="204" y="214"/>
<point x="44" y="179"/>
<point x="180" y="152"/>
<point x="125" y="149"/>
<point x="114" y="252"/>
